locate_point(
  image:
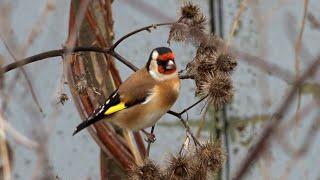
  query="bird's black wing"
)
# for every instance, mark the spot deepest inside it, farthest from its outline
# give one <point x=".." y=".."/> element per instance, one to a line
<point x="112" y="105"/>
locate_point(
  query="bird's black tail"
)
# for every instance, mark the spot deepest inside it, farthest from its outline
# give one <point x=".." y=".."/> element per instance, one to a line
<point x="86" y="123"/>
<point x="98" y="114"/>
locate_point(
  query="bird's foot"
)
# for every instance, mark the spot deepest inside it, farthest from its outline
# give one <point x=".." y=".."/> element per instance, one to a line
<point x="151" y="138"/>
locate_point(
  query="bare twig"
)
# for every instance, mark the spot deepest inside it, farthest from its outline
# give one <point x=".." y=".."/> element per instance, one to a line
<point x="18" y="137"/>
<point x="29" y="84"/>
<point x="146" y="28"/>
<point x="4" y="151"/>
<point x="296" y="154"/>
<point x="193" y="105"/>
<point x="314" y="21"/>
<point x="61" y="52"/>
<point x="186" y="126"/>
<point x="297" y="54"/>
<point x="149" y="142"/>
<point x="236" y="21"/>
<point x="264" y="65"/>
<point x="261" y="146"/>
<point x="202" y="122"/>
<point x="291" y="123"/>
<point x="149" y="10"/>
<point x="10" y="43"/>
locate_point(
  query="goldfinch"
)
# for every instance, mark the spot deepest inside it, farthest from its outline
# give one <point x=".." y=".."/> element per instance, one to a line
<point x="144" y="97"/>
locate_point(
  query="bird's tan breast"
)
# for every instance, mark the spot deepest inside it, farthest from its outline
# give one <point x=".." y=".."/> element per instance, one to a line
<point x="147" y="114"/>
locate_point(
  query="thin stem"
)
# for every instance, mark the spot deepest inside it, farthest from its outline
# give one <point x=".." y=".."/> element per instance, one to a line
<point x="149" y="143"/>
<point x="236" y="21"/>
<point x="4" y="152"/>
<point x="49" y="54"/>
<point x="193" y="105"/>
<point x="186" y="126"/>
<point x="146" y="28"/>
<point x="29" y="84"/>
<point x="297" y="55"/>
<point x="123" y="60"/>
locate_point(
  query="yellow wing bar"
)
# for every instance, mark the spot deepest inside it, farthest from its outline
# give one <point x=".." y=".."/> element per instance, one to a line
<point x="115" y="108"/>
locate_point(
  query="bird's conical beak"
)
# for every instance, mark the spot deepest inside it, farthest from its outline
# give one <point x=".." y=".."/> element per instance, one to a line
<point x="171" y="65"/>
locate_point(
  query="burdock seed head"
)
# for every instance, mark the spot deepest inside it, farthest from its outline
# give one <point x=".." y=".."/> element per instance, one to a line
<point x="147" y="171"/>
<point x="226" y="63"/>
<point x="190" y="10"/>
<point x="211" y="157"/>
<point x="218" y="87"/>
<point x="178" y="32"/>
<point x="179" y="167"/>
<point x="190" y="26"/>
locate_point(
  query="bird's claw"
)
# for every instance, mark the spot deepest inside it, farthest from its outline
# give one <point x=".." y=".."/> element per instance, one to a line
<point x="151" y="138"/>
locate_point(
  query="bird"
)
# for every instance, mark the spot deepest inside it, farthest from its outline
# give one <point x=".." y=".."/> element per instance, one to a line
<point x="144" y="97"/>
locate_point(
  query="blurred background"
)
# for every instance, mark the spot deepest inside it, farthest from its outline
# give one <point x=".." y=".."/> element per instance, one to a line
<point x="266" y="29"/>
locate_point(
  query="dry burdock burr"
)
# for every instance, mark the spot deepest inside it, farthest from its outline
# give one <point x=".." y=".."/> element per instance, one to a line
<point x="211" y="70"/>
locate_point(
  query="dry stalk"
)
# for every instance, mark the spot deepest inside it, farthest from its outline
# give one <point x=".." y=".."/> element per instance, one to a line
<point x="236" y="20"/>
<point x="4" y="151"/>
<point x="297" y="54"/>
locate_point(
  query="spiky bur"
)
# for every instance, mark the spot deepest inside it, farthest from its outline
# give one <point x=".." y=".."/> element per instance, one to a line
<point x="198" y="171"/>
<point x="147" y="171"/>
<point x="207" y="56"/>
<point x="226" y="63"/>
<point x="210" y="157"/>
<point x="190" y="10"/>
<point x="190" y="26"/>
<point x="179" y="167"/>
<point x="218" y="88"/>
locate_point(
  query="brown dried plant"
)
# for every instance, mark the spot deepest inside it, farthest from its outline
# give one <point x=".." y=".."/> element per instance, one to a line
<point x="190" y="26"/>
<point x="212" y="65"/>
<point x="218" y="88"/>
<point x="147" y="171"/>
<point x="179" y="167"/>
<point x="206" y="160"/>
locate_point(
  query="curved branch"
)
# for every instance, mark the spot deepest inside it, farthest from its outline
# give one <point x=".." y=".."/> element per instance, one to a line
<point x="50" y="54"/>
<point x="61" y="52"/>
<point x="146" y="28"/>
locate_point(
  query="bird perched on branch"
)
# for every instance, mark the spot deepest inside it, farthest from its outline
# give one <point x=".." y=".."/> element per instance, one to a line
<point x="144" y="97"/>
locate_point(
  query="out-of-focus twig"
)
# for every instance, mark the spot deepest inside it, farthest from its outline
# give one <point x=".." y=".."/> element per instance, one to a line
<point x="18" y="137"/>
<point x="304" y="148"/>
<point x="4" y="151"/>
<point x="264" y="65"/>
<point x="202" y="122"/>
<point x="236" y="20"/>
<point x="297" y="54"/>
<point x="10" y="43"/>
<point x="315" y="23"/>
<point x="283" y="129"/>
<point x="261" y="146"/>
<point x="29" y="84"/>
<point x="149" y="10"/>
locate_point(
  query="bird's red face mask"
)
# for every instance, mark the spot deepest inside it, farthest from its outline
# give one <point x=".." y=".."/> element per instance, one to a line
<point x="166" y="64"/>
